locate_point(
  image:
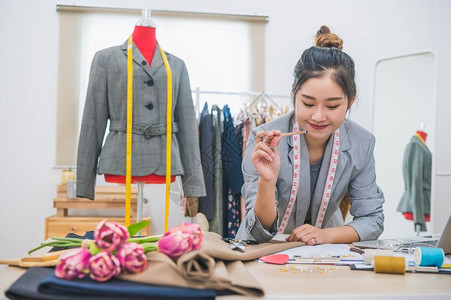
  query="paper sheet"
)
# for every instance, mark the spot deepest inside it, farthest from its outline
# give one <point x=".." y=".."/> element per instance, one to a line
<point x="325" y="251"/>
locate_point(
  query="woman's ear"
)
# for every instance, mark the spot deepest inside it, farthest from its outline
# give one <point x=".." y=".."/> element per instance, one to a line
<point x="351" y="102"/>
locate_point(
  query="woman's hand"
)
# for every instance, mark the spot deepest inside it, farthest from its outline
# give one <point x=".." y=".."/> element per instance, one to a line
<point x="308" y="234"/>
<point x="265" y="157"/>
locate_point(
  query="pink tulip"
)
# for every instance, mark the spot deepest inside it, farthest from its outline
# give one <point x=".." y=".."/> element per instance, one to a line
<point x="103" y="266"/>
<point x="180" y="240"/>
<point x="132" y="258"/>
<point x="73" y="264"/>
<point x="196" y="234"/>
<point x="109" y="235"/>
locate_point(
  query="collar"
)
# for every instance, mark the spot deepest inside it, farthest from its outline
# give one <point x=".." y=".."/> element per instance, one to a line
<point x="138" y="58"/>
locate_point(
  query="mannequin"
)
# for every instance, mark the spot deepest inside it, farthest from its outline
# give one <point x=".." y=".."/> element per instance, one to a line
<point x="106" y="101"/>
<point x="415" y="202"/>
<point x="144" y="38"/>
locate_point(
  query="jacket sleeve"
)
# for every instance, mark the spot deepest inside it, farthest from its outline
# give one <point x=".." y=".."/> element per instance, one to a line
<point x="366" y="199"/>
<point x="251" y="227"/>
<point x="95" y="117"/>
<point x="188" y="139"/>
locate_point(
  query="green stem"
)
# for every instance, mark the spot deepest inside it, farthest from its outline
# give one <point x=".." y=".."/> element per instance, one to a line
<point x="146" y="239"/>
<point x="56" y="244"/>
<point x="149" y="247"/>
<point x="67" y="239"/>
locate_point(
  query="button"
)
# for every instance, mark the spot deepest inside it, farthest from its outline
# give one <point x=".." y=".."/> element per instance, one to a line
<point x="149" y="106"/>
<point x="149" y="82"/>
<point x="144" y="62"/>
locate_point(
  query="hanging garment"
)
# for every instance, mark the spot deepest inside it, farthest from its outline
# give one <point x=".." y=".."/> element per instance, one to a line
<point x="217" y="221"/>
<point x="417" y="165"/>
<point x="206" y="138"/>
<point x="106" y="100"/>
<point x="232" y="176"/>
<point x="355" y="174"/>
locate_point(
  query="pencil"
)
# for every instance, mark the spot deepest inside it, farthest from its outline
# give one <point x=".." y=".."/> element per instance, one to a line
<point x="294" y="132"/>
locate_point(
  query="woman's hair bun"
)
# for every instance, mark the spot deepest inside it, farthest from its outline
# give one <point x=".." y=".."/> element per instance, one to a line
<point x="324" y="38"/>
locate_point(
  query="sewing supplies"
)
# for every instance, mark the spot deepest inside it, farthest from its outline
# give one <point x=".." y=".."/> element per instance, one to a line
<point x="294" y="132"/>
<point x="390" y="264"/>
<point x="321" y="270"/>
<point x="357" y="250"/>
<point x="369" y="254"/>
<point x="428" y="256"/>
<point x="296" y="174"/>
<point x="275" y="259"/>
<point x="316" y="259"/>
<point x="239" y="244"/>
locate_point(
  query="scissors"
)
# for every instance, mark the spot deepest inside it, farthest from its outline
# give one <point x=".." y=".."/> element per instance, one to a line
<point x="239" y="244"/>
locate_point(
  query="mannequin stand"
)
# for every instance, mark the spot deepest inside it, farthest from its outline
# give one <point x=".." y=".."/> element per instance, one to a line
<point x="139" y="205"/>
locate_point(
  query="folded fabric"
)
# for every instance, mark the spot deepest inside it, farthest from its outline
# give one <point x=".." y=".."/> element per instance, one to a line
<point x="41" y="283"/>
<point x="214" y="266"/>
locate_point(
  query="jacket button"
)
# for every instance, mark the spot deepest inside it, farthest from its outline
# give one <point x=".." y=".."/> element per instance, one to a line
<point x="149" y="106"/>
<point x="144" y="62"/>
<point x="149" y="82"/>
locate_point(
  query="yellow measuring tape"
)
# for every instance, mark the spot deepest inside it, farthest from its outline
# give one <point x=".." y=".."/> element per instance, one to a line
<point x="128" y="167"/>
<point x="168" y="136"/>
<point x="128" y="159"/>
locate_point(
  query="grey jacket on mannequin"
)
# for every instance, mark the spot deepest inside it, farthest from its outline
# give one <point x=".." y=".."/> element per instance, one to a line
<point x="106" y="99"/>
<point x="355" y="175"/>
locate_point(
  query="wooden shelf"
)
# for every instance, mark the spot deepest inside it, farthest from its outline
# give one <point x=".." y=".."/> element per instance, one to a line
<point x="60" y="226"/>
<point x="106" y="197"/>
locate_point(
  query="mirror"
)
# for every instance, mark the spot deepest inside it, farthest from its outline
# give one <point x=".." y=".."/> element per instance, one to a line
<point x="404" y="101"/>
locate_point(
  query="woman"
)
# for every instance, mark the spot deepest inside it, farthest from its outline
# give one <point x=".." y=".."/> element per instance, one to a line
<point x="317" y="168"/>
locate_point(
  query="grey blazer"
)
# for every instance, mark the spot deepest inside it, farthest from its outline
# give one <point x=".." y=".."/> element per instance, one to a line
<point x="416" y="169"/>
<point x="355" y="174"/>
<point x="106" y="99"/>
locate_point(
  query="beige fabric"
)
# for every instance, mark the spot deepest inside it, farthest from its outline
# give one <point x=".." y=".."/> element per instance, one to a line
<point x="214" y="266"/>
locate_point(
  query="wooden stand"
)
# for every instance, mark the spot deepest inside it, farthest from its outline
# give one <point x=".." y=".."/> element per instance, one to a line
<point x="107" y="197"/>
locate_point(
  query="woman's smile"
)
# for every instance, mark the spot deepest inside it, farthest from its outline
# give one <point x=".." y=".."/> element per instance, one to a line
<point x="317" y="127"/>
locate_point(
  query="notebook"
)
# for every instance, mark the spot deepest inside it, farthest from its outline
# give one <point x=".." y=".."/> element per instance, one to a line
<point x="408" y="244"/>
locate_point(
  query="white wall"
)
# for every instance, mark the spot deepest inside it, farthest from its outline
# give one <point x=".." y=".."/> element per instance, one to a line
<point x="29" y="31"/>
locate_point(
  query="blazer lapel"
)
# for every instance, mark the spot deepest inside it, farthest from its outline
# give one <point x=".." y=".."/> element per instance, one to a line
<point x="342" y="158"/>
<point x="157" y="61"/>
<point x="139" y="59"/>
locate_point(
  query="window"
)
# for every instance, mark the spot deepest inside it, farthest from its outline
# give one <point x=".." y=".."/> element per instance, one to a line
<point x="221" y="52"/>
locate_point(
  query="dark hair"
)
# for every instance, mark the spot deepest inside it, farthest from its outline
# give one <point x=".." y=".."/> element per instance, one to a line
<point x="326" y="57"/>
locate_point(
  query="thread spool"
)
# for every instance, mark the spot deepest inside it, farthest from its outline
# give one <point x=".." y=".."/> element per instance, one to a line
<point x="371" y="253"/>
<point x="390" y="264"/>
<point x="428" y="256"/>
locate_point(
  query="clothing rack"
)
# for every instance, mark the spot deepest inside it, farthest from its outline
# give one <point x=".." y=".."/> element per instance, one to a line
<point x="249" y="94"/>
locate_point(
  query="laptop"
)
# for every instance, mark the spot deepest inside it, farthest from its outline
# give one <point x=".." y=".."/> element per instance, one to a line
<point x="406" y="244"/>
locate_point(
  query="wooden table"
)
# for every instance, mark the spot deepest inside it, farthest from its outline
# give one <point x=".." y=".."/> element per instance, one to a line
<point x="314" y="282"/>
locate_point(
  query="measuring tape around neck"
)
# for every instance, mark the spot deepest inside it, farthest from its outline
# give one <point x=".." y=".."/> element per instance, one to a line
<point x="296" y="175"/>
<point x="128" y="161"/>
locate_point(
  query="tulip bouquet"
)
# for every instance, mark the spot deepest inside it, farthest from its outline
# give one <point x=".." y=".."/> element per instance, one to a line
<point x="113" y="250"/>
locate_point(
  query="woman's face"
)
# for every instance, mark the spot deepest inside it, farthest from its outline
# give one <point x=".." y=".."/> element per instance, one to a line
<point x="321" y="107"/>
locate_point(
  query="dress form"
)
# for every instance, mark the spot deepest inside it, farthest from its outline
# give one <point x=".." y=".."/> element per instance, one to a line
<point x="144" y="38"/>
<point x="422" y="136"/>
